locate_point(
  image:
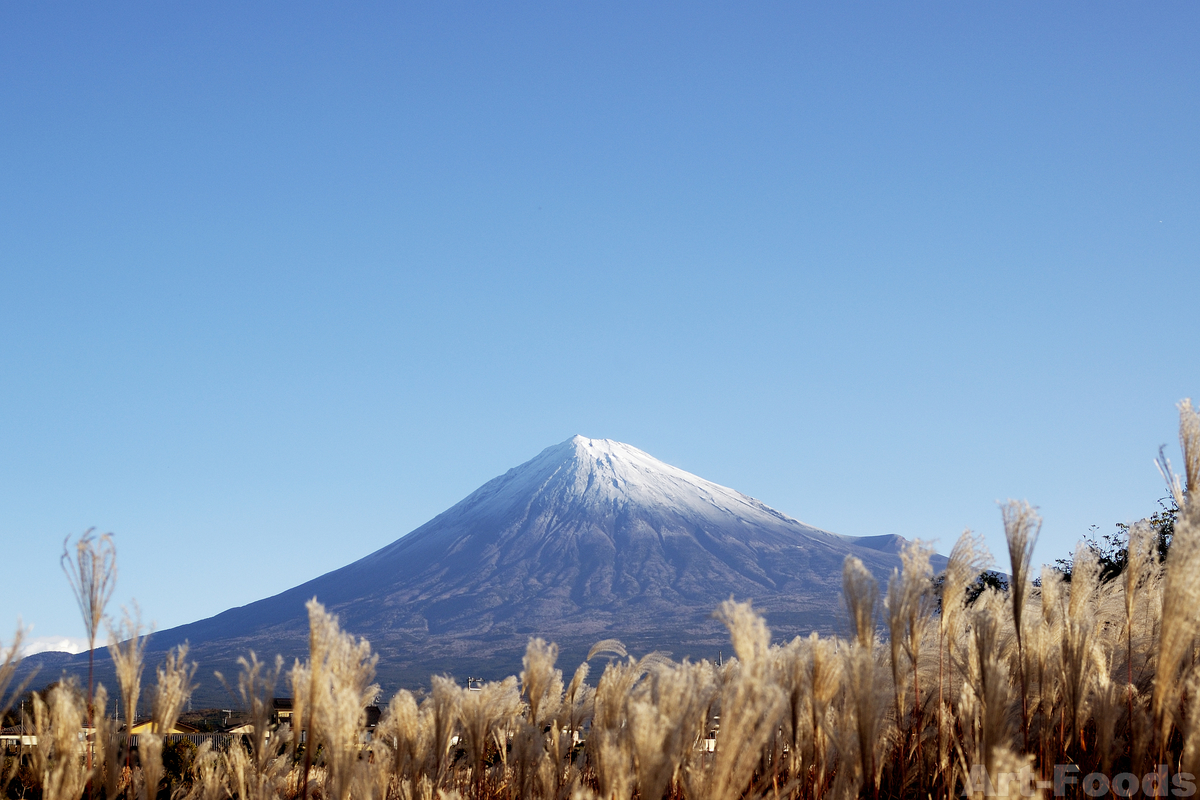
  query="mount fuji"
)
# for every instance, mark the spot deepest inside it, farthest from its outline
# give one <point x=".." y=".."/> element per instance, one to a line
<point x="591" y="539"/>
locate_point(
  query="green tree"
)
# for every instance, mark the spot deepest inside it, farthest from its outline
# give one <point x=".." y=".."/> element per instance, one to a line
<point x="1112" y="549"/>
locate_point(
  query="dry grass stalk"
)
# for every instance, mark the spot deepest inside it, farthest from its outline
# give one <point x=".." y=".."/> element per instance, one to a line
<point x="860" y="591"/>
<point x="259" y="773"/>
<point x="441" y="716"/>
<point x="861" y="594"/>
<point x="610" y="750"/>
<point x="1047" y="659"/>
<point x="332" y="690"/>
<point x="825" y="676"/>
<point x="909" y="605"/>
<point x="209" y="778"/>
<point x="968" y="558"/>
<point x="986" y="693"/>
<point x="398" y="740"/>
<point x="9" y="658"/>
<point x="579" y="701"/>
<point x="1108" y="698"/>
<point x="1077" y="661"/>
<point x="792" y="675"/>
<point x="1181" y="590"/>
<point x="170" y="694"/>
<point x="1021" y="528"/>
<point x="1137" y="583"/>
<point x="173" y="689"/>
<point x="486" y="715"/>
<point x="106" y="766"/>
<point x="751" y="704"/>
<point x="1189" y="444"/>
<point x="1189" y="760"/>
<point x="9" y="691"/>
<point x="540" y="738"/>
<point x="58" y="757"/>
<point x="541" y="683"/>
<point x="92" y="572"/>
<point x="668" y="717"/>
<point x="127" y="646"/>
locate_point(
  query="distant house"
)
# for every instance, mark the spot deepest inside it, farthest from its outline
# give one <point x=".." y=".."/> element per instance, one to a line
<point x="281" y="710"/>
<point x="147" y="726"/>
<point x="23" y="736"/>
<point x="17" y="736"/>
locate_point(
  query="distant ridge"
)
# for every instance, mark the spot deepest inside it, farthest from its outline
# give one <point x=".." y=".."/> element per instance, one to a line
<point x="590" y="539"/>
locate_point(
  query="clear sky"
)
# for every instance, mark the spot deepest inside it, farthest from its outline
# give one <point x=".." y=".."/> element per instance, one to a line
<point x="279" y="282"/>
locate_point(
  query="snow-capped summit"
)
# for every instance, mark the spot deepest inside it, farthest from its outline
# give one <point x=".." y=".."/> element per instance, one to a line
<point x="601" y="478"/>
<point x="590" y="539"/>
<point x="603" y="474"/>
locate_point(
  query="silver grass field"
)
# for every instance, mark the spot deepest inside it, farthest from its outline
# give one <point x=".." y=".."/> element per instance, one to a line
<point x="1073" y="688"/>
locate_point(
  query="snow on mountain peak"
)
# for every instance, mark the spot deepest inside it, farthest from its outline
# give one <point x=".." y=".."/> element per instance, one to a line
<point x="603" y="480"/>
<point x="611" y="474"/>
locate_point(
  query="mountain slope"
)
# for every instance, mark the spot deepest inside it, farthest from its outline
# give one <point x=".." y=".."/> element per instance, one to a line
<point x="591" y="539"/>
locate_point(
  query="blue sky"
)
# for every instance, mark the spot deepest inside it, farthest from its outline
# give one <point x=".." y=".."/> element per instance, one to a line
<point x="280" y="282"/>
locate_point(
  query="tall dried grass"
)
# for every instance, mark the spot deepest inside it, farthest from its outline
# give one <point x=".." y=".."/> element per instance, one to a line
<point x="259" y="771"/>
<point x="58" y="757"/>
<point x="331" y="693"/>
<point x="92" y="572"/>
<point x="9" y="691"/>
